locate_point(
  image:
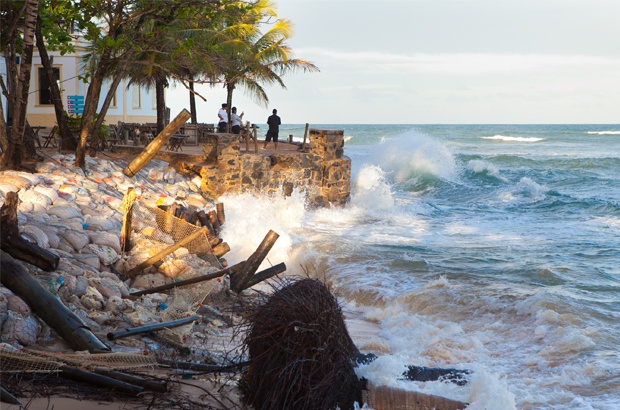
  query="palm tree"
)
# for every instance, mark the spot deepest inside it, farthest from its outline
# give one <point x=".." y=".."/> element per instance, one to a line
<point x="262" y="59"/>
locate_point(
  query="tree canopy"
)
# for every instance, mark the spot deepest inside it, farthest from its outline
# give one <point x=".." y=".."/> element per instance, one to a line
<point x="153" y="43"/>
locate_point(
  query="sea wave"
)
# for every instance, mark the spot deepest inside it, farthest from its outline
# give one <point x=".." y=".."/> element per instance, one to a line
<point x="603" y="132"/>
<point x="513" y="139"/>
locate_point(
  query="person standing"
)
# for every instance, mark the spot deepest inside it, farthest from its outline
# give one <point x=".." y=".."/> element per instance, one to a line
<point x="236" y="120"/>
<point x="274" y="128"/>
<point x="223" y="117"/>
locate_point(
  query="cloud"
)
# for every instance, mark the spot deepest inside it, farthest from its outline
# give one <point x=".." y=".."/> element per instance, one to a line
<point x="462" y="63"/>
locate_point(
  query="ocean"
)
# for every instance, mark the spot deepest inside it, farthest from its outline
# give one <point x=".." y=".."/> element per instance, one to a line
<point x="493" y="248"/>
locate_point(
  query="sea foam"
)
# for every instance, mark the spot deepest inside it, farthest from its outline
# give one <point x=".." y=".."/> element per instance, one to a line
<point x="513" y="139"/>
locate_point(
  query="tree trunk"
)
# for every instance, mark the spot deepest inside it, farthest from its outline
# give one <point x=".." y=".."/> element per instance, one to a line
<point x="192" y="103"/>
<point x="90" y="108"/>
<point x="229" y="92"/>
<point x="66" y="135"/>
<point x="160" y="95"/>
<point x="12" y="157"/>
<point x="4" y="127"/>
<point x="96" y="135"/>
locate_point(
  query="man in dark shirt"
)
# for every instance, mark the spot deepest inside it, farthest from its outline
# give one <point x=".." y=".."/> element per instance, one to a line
<point x="274" y="128"/>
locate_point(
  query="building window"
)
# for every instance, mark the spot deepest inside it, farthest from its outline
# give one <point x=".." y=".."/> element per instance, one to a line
<point x="136" y="101"/>
<point x="45" y="93"/>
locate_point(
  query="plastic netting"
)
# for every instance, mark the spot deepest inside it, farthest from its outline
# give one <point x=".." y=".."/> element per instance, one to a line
<point x="164" y="227"/>
<point x="31" y="361"/>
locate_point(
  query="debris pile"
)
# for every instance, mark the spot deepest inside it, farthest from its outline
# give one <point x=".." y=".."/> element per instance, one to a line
<point x="301" y="355"/>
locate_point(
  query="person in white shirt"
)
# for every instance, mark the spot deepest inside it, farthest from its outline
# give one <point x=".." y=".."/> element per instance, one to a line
<point x="223" y="116"/>
<point x="236" y="120"/>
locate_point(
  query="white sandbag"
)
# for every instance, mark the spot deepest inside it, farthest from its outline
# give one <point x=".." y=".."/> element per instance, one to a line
<point x="100" y="223"/>
<point x="35" y="197"/>
<point x="6" y="187"/>
<point x="92" y="299"/>
<point x="35" y="235"/>
<point x="19" y="181"/>
<point x="110" y="239"/>
<point x="106" y="254"/>
<point x="64" y="212"/>
<point x="77" y="239"/>
<point x="49" y="192"/>
<point x="52" y="235"/>
<point x="106" y="287"/>
<point x="33" y="178"/>
<point x="25" y="207"/>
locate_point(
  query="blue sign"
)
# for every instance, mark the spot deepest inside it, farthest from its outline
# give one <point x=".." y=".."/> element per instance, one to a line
<point x="75" y="104"/>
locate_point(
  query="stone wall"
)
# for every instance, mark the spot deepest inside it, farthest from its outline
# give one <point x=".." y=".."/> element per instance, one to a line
<point x="323" y="172"/>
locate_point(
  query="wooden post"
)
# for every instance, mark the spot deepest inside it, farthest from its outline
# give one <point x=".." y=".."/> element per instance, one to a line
<point x="255" y="138"/>
<point x="303" y="146"/>
<point x="221" y="249"/>
<point x="12" y="242"/>
<point x="215" y="222"/>
<point x="247" y="131"/>
<point x="48" y="307"/>
<point x="150" y="328"/>
<point x="221" y="216"/>
<point x="265" y="274"/>
<point x="151" y="150"/>
<point x="127" y="207"/>
<point x="191" y="281"/>
<point x="239" y="281"/>
<point x="159" y="256"/>
<point x="204" y="220"/>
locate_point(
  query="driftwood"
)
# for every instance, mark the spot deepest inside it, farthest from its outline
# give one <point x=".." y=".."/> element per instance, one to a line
<point x="387" y="398"/>
<point x="154" y="385"/>
<point x="49" y="308"/>
<point x="190" y="281"/>
<point x="150" y="328"/>
<point x="239" y="281"/>
<point x="221" y="249"/>
<point x="84" y="376"/>
<point x="154" y="146"/>
<point x="265" y="274"/>
<point x="204" y="220"/>
<point x="221" y="216"/>
<point x="15" y="245"/>
<point x="215" y="222"/>
<point x="160" y="255"/>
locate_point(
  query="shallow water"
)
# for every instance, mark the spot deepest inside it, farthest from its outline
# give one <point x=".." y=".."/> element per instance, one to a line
<point x="486" y="247"/>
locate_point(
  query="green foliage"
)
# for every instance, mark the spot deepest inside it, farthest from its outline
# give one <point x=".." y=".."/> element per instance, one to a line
<point x="75" y="120"/>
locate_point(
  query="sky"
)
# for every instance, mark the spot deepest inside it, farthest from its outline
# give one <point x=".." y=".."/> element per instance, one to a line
<point x="441" y="62"/>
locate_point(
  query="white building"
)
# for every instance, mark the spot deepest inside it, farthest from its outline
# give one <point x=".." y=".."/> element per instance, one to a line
<point x="133" y="104"/>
